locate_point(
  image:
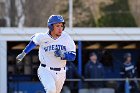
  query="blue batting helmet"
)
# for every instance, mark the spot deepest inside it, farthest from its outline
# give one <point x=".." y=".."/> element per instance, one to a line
<point x="54" y="19"/>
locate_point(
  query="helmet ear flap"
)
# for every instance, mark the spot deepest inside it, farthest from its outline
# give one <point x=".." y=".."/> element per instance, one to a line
<point x="51" y="27"/>
<point x="63" y="25"/>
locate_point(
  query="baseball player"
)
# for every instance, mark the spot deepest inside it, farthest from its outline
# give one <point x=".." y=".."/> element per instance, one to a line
<point x="129" y="70"/>
<point x="55" y="48"/>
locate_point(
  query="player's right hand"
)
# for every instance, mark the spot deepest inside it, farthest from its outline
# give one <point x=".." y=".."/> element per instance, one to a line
<point x="20" y="57"/>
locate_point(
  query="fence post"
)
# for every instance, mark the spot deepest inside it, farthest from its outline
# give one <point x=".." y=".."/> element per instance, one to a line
<point x="80" y="57"/>
<point x="79" y="61"/>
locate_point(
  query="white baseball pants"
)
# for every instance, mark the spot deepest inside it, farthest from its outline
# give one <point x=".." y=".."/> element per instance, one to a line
<point x="52" y="80"/>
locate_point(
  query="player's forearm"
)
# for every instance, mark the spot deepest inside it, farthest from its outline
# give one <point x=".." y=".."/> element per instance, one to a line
<point x="29" y="47"/>
<point x="69" y="56"/>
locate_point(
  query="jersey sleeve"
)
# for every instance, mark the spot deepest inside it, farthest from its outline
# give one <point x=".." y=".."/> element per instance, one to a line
<point x="36" y="38"/>
<point x="70" y="44"/>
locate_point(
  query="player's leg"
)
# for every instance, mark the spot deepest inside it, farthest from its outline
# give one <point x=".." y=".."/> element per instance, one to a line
<point x="66" y="89"/>
<point x="47" y="80"/>
<point x="60" y="81"/>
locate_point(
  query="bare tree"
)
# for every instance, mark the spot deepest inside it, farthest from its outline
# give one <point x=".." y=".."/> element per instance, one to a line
<point x="20" y="19"/>
<point x="7" y="13"/>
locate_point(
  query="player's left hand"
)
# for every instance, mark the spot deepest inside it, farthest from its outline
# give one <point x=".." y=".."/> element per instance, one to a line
<point x="59" y="53"/>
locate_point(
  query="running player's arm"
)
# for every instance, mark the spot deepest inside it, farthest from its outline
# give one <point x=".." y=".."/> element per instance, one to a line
<point x="29" y="47"/>
<point x="33" y="43"/>
<point x="70" y="54"/>
<point x="35" y="39"/>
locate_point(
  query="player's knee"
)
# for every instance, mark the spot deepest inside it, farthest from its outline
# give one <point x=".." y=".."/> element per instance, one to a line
<point x="51" y="90"/>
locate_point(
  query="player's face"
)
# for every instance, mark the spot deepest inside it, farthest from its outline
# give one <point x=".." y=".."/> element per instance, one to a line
<point x="58" y="28"/>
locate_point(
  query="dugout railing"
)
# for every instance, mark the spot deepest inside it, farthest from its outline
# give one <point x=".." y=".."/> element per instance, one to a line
<point x="17" y="84"/>
<point x="127" y="81"/>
